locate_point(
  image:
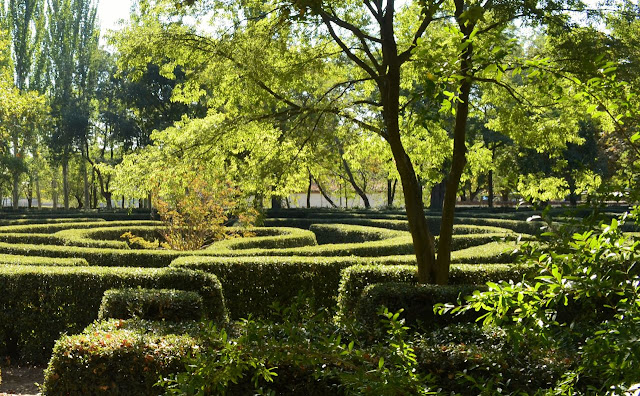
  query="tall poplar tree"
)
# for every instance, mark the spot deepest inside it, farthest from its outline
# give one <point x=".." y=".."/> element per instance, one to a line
<point x="73" y="44"/>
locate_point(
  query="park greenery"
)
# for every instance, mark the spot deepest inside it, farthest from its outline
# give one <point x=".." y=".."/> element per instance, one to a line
<point x="489" y="151"/>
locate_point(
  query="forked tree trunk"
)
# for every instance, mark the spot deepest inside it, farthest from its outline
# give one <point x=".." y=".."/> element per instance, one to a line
<point x="458" y="161"/>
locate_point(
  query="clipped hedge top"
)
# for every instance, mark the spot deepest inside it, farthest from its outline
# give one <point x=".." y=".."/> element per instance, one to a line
<point x="10" y="259"/>
<point x="53" y="228"/>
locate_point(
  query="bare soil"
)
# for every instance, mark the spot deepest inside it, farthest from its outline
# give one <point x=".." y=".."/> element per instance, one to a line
<point x="21" y="381"/>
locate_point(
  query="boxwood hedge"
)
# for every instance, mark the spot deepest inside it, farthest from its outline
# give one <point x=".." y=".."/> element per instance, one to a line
<point x="119" y="358"/>
<point x="417" y="302"/>
<point x="37" y="304"/>
<point x="151" y="304"/>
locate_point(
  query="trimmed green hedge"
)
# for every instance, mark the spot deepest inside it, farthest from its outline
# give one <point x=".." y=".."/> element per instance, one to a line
<point x="37" y="304"/>
<point x="151" y="304"/>
<point x="400" y="223"/>
<point x="356" y="278"/>
<point x="118" y="358"/>
<point x="53" y="228"/>
<point x="268" y="238"/>
<point x="37" y="220"/>
<point x="345" y="233"/>
<point x="10" y="259"/>
<point x="417" y="301"/>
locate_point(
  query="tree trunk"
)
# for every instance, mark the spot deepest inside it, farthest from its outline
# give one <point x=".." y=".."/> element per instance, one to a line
<point x="54" y="190"/>
<point x="324" y="194"/>
<point x="490" y="188"/>
<point x="15" y="191"/>
<point x="85" y="180"/>
<point x="38" y="191"/>
<point x="437" y="196"/>
<point x="30" y="192"/>
<point x="276" y="202"/>
<point x="65" y="182"/>
<point x="391" y="191"/>
<point x="309" y="191"/>
<point x="350" y="177"/>
<point x="123" y="202"/>
<point x="573" y="197"/>
<point x="107" y="197"/>
<point x="458" y="161"/>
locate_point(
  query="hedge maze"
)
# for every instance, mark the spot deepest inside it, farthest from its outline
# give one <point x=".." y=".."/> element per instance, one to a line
<point x="60" y="274"/>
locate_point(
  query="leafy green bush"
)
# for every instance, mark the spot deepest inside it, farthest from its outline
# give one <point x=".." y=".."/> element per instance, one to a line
<point x="586" y="298"/>
<point x="302" y="353"/>
<point x="118" y="358"/>
<point x="151" y="304"/>
<point x="464" y="359"/>
<point x="37" y="304"/>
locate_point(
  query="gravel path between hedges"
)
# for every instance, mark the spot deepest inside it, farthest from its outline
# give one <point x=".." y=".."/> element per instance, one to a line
<point x="21" y="381"/>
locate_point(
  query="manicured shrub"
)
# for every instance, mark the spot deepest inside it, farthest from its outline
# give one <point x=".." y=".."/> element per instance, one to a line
<point x="33" y="260"/>
<point x="118" y="358"/>
<point x="257" y="282"/>
<point x="151" y="304"/>
<point x="37" y="304"/>
<point x="345" y="233"/>
<point x="416" y="300"/>
<point x="356" y="278"/>
<point x="38" y="220"/>
<point x="55" y="227"/>
<point x="268" y="238"/>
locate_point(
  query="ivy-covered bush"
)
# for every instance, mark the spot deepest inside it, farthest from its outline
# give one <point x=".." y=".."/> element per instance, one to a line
<point x="151" y="304"/>
<point x="37" y="304"/>
<point x="119" y="358"/>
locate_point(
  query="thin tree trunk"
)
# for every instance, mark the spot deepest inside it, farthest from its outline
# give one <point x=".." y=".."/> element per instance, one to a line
<point x="15" y="196"/>
<point x="85" y="180"/>
<point x="54" y="189"/>
<point x="38" y="190"/>
<point x="30" y="192"/>
<point x="65" y="182"/>
<point x="391" y="191"/>
<point x="350" y="177"/>
<point x="123" y="202"/>
<point x="324" y="194"/>
<point x="490" y="188"/>
<point x="15" y="192"/>
<point x="309" y="191"/>
<point x="458" y="162"/>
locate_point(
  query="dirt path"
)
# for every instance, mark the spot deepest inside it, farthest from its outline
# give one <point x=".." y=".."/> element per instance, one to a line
<point x="21" y="380"/>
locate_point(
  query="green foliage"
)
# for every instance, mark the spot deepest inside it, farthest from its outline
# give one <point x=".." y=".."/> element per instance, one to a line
<point x="585" y="296"/>
<point x="118" y="357"/>
<point x="39" y="303"/>
<point x="151" y="304"/>
<point x="466" y="359"/>
<point x="300" y="353"/>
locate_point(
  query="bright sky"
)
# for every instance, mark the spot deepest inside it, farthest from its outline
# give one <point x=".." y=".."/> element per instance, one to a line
<point x="111" y="11"/>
